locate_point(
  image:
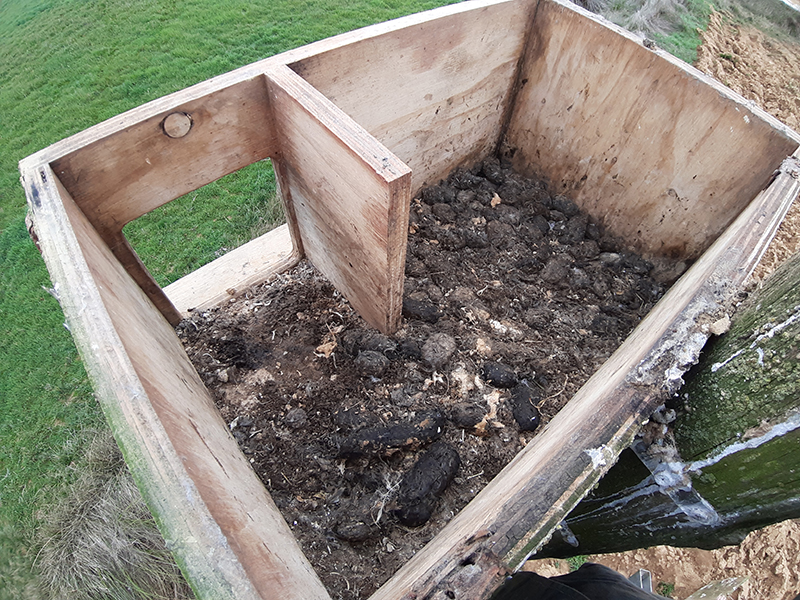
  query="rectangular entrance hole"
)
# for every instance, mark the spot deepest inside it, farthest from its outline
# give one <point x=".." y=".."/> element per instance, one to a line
<point x="193" y="230"/>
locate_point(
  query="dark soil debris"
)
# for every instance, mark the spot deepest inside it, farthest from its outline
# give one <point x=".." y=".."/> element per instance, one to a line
<point x="370" y="444"/>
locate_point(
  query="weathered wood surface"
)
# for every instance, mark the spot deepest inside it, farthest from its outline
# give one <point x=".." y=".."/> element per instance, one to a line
<point x="516" y="513"/>
<point x="435" y="92"/>
<point x="121" y="177"/>
<point x="349" y="197"/>
<point x="118" y="178"/>
<point x="222" y="526"/>
<point x="231" y="127"/>
<point x="234" y="272"/>
<point x="639" y="141"/>
<point x="739" y="445"/>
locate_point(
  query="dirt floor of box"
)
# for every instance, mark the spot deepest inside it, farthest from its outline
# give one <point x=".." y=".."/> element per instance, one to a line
<point x="370" y="444"/>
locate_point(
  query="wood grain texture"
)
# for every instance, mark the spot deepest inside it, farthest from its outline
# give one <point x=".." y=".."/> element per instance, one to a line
<point x="642" y="142"/>
<point x="234" y="272"/>
<point x="673" y="143"/>
<point x="126" y="255"/>
<point x="435" y="92"/>
<point x="453" y="100"/>
<point x="516" y="513"/>
<point x="222" y="526"/>
<point x="119" y="177"/>
<point x="125" y="175"/>
<point x="350" y="197"/>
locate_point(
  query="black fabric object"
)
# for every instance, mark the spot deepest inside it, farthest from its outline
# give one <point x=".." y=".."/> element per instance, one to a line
<point x="590" y="582"/>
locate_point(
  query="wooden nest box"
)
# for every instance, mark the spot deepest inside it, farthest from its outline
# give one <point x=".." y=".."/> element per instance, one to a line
<point x="355" y="125"/>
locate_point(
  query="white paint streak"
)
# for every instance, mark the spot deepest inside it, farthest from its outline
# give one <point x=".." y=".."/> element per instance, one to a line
<point x="675" y="354"/>
<point x="668" y="472"/>
<point x="771" y="333"/>
<point x="717" y="366"/>
<point x="599" y="456"/>
<point x="791" y="423"/>
<point x="643" y="488"/>
<point x="779" y="327"/>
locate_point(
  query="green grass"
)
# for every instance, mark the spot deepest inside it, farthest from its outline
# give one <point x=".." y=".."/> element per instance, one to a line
<point x="674" y="24"/>
<point x="575" y="562"/>
<point x="210" y="221"/>
<point x="64" y="66"/>
<point x="101" y="541"/>
<point x="665" y="589"/>
<point x="684" y="42"/>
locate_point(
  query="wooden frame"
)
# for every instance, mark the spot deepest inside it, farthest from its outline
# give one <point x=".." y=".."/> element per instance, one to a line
<point x="356" y="124"/>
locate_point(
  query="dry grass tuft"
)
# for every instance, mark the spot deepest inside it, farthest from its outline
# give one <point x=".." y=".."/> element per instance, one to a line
<point x="101" y="542"/>
<point x="656" y="16"/>
<point x="646" y="17"/>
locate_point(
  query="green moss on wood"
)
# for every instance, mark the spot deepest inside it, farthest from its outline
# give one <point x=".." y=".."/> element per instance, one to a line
<point x="746" y="377"/>
<point x="760" y="477"/>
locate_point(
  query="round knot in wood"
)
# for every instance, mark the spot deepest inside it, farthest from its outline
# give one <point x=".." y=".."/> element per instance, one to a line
<point x="177" y="124"/>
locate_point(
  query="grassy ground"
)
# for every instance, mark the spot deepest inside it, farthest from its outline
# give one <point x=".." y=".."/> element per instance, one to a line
<point x="66" y="65"/>
<point x="675" y="24"/>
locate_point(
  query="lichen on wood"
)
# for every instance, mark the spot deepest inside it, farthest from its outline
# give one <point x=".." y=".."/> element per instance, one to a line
<point x="749" y="377"/>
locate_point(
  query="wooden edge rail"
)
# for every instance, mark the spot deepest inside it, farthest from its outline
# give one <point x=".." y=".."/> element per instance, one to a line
<point x="517" y="512"/>
<point x="224" y="530"/>
<point x="234" y="272"/>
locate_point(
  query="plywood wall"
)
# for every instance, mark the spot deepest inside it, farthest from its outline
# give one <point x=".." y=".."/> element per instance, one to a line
<point x="220" y="522"/>
<point x="665" y="157"/>
<point x="436" y="92"/>
<point x="346" y="195"/>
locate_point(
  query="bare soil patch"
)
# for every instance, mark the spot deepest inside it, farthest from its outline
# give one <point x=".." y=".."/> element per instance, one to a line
<point x="758" y="67"/>
<point x="766" y="71"/>
<point x="768" y="557"/>
<point x="370" y="444"/>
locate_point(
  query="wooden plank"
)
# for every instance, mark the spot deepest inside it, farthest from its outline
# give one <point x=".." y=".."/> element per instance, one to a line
<point x="514" y="515"/>
<point x="435" y="92"/>
<point x="128" y="258"/>
<point x="126" y="166"/>
<point x="125" y="175"/>
<point x="161" y="107"/>
<point x="119" y="177"/>
<point x="641" y="141"/>
<point x="350" y="197"/>
<point x="220" y="523"/>
<point x="234" y="272"/>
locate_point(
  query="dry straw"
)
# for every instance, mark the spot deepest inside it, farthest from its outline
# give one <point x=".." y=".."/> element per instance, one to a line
<point x="101" y="542"/>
